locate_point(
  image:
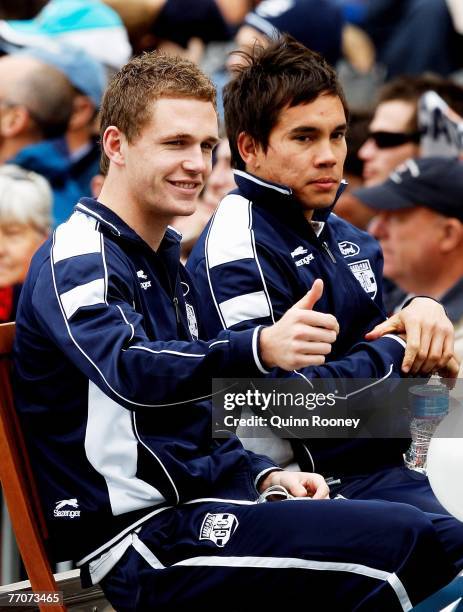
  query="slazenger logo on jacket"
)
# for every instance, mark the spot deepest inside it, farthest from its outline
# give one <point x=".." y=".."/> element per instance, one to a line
<point x="302" y="251"/>
<point x="146" y="283"/>
<point x="218" y="528"/>
<point x="73" y="503"/>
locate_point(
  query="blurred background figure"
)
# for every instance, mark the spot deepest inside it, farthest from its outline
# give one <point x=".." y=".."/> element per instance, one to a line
<point x="394" y="134"/>
<point x="419" y="224"/>
<point x="88" y="24"/>
<point x="88" y="78"/>
<point x="20" y="9"/>
<point x="35" y="103"/>
<point x="25" y="222"/>
<point x="348" y="206"/>
<point x="48" y="105"/>
<point x="180" y="27"/>
<point x="414" y="36"/>
<point x="317" y="24"/>
<point x="220" y="182"/>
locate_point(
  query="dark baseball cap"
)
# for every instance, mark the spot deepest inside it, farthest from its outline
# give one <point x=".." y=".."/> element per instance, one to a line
<point x="433" y="182"/>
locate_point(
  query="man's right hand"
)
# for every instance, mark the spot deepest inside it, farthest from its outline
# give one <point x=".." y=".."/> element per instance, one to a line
<point x="302" y="337"/>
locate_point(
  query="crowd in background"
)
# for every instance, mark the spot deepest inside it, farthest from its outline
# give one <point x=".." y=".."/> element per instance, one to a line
<point x="58" y="55"/>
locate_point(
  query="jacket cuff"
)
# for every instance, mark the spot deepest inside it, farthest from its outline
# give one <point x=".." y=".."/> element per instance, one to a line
<point x="394" y="346"/>
<point x="245" y="352"/>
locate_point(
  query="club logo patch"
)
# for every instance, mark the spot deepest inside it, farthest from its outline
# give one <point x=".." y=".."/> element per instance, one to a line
<point x="192" y="322"/>
<point x="218" y="528"/>
<point x="348" y="249"/>
<point x="365" y="276"/>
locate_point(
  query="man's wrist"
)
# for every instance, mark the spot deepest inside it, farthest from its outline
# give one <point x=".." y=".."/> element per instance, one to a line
<point x="264" y="348"/>
<point x="409" y="300"/>
<point x="268" y="480"/>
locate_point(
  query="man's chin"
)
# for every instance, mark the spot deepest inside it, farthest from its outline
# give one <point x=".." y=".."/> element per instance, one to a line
<point x="317" y="204"/>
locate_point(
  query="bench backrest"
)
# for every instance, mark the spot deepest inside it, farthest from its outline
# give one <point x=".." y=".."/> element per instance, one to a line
<point x="18" y="483"/>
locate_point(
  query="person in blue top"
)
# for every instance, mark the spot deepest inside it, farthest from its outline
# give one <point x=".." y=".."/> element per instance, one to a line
<point x="277" y="233"/>
<point x="112" y="383"/>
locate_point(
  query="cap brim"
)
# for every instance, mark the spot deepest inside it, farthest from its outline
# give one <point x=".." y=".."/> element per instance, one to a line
<point x="382" y="197"/>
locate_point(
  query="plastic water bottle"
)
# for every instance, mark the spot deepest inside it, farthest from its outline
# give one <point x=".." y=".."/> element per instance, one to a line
<point x="428" y="405"/>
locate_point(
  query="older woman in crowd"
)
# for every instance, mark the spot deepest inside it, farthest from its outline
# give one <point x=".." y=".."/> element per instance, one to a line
<point x="25" y="222"/>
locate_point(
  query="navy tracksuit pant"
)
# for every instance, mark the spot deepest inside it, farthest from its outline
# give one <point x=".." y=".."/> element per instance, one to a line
<point x="318" y="555"/>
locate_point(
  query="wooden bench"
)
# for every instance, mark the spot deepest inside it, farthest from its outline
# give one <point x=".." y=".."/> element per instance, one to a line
<point x="18" y="484"/>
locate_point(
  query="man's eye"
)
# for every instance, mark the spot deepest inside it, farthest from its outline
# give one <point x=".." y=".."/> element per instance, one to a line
<point x="302" y="138"/>
<point x="338" y="135"/>
<point x="175" y="143"/>
<point x="207" y="146"/>
<point x="11" y="232"/>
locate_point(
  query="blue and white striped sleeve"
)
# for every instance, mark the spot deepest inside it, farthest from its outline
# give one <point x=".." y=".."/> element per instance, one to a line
<point x="83" y="299"/>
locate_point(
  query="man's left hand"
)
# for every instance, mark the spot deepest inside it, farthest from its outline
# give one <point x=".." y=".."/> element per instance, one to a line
<point x="298" y="484"/>
<point x="429" y="335"/>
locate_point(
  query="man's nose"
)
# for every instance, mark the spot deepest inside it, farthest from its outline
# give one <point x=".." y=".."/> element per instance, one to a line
<point x="326" y="155"/>
<point x="377" y="226"/>
<point x="367" y="150"/>
<point x="195" y="161"/>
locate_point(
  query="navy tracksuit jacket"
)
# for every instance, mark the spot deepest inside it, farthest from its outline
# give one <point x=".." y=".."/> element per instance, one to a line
<point x="112" y="385"/>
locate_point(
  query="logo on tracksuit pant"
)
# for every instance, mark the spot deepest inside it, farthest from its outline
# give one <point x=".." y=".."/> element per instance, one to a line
<point x="218" y="528"/>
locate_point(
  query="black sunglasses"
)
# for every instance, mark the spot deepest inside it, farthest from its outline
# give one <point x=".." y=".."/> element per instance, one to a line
<point x="387" y="140"/>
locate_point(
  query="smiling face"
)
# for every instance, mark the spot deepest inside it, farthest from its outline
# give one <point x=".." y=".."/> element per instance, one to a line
<point x="306" y="151"/>
<point x="167" y="165"/>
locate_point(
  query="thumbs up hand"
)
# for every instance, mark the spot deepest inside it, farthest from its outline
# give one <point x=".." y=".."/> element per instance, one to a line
<point x="302" y="337"/>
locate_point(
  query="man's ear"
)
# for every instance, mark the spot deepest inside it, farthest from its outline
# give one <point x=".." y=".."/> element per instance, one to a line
<point x="114" y="143"/>
<point x="15" y="122"/>
<point x="452" y="234"/>
<point x="249" y="150"/>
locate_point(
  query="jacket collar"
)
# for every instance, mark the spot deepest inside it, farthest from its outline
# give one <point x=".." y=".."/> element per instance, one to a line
<point x="278" y="199"/>
<point x="113" y="224"/>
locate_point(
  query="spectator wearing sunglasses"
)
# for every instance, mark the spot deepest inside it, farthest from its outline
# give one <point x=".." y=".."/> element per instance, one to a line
<point x="393" y="134"/>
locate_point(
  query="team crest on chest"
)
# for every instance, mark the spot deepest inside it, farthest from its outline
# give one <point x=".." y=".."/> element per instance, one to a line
<point x="363" y="272"/>
<point x="218" y="528"/>
<point x="192" y="322"/>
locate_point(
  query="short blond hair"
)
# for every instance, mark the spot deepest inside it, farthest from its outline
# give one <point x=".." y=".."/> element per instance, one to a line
<point x="144" y="79"/>
<point x="25" y="198"/>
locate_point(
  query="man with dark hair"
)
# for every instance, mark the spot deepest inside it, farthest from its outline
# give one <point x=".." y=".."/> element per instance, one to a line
<point x="113" y="387"/>
<point x="394" y="131"/>
<point x="275" y="235"/>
